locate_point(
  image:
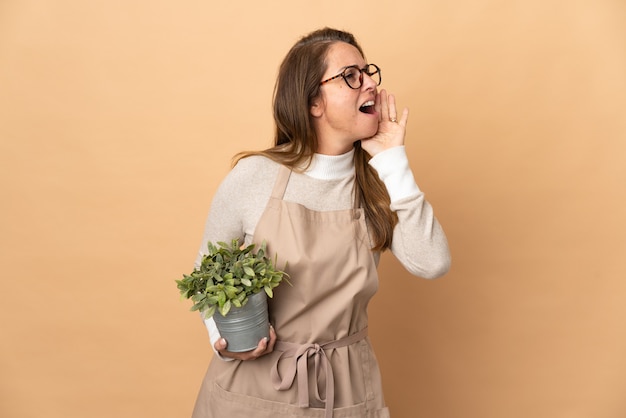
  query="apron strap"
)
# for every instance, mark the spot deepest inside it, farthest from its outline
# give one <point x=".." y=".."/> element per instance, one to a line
<point x="299" y="354"/>
<point x="280" y="185"/>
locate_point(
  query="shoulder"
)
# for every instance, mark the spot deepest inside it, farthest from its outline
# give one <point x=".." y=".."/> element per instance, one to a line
<point x="254" y="168"/>
<point x="250" y="174"/>
<point x="255" y="162"/>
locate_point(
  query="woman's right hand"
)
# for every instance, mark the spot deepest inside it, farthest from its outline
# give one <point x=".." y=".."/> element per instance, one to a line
<point x="265" y="347"/>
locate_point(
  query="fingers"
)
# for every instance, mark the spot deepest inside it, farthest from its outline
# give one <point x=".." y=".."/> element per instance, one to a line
<point x="393" y="114"/>
<point x="405" y="117"/>
<point x="387" y="110"/>
<point x="384" y="106"/>
<point x="265" y="346"/>
<point x="220" y="345"/>
<point x="272" y="341"/>
<point x="259" y="350"/>
<point x="248" y="355"/>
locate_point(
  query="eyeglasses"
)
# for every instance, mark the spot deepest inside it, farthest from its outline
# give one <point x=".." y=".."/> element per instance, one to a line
<point x="353" y="75"/>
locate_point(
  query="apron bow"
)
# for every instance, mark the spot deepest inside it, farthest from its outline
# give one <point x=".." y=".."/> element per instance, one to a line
<point x="298" y="355"/>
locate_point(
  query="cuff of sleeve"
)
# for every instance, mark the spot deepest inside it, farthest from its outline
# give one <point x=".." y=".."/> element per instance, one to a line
<point x="393" y="169"/>
<point x="214" y="335"/>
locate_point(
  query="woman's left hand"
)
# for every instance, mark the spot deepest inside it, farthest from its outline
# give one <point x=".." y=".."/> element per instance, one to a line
<point x="391" y="130"/>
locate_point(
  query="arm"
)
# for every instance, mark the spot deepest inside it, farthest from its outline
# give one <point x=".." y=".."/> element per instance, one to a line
<point x="418" y="239"/>
<point x="231" y="217"/>
<point x="419" y="242"/>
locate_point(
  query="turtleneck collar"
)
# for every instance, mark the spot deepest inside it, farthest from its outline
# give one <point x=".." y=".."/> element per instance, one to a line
<point x="331" y="167"/>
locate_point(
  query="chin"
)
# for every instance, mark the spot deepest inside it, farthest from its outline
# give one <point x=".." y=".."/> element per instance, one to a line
<point x="371" y="132"/>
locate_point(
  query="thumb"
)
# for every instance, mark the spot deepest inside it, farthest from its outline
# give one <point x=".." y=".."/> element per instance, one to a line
<point x="221" y="344"/>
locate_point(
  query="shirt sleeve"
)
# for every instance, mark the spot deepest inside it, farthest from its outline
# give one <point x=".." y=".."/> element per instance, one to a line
<point x="231" y="217"/>
<point x="214" y="335"/>
<point x="223" y="224"/>
<point x="393" y="169"/>
<point x="419" y="241"/>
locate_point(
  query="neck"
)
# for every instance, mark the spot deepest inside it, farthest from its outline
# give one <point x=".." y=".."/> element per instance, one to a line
<point x="334" y="149"/>
<point x="330" y="167"/>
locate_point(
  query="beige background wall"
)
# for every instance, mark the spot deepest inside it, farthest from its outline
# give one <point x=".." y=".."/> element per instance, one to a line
<point x="118" y="119"/>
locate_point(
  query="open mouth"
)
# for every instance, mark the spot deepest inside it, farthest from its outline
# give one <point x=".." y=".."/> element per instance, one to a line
<point x="368" y="107"/>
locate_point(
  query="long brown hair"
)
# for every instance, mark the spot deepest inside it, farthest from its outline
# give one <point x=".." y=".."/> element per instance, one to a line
<point x="295" y="141"/>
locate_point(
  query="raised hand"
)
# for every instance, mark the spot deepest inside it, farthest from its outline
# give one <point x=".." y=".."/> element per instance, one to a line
<point x="391" y="131"/>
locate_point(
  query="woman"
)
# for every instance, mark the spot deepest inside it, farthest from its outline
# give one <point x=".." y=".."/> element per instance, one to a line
<point x="333" y="193"/>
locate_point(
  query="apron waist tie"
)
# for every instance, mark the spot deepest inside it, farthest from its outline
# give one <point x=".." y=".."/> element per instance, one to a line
<point x="299" y="355"/>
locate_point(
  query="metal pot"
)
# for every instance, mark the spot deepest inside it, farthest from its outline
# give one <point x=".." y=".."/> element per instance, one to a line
<point x="244" y="327"/>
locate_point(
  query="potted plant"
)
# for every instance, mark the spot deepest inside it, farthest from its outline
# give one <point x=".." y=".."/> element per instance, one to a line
<point x="231" y="285"/>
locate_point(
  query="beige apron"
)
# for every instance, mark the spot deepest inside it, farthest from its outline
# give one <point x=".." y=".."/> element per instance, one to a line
<point x="323" y="364"/>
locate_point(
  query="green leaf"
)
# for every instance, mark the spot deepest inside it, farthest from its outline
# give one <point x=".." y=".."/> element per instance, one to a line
<point x="209" y="312"/>
<point x="198" y="297"/>
<point x="213" y="300"/>
<point x="221" y="298"/>
<point x="226" y="308"/>
<point x="269" y="291"/>
<point x="249" y="271"/>
<point x="231" y="292"/>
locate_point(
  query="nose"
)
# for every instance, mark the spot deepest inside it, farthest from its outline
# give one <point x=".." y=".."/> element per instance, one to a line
<point x="368" y="82"/>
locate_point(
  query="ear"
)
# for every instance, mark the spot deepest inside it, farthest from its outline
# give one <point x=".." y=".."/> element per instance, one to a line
<point x="317" y="107"/>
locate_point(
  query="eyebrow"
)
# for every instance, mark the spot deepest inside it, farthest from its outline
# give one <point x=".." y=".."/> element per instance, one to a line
<point x="348" y="66"/>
